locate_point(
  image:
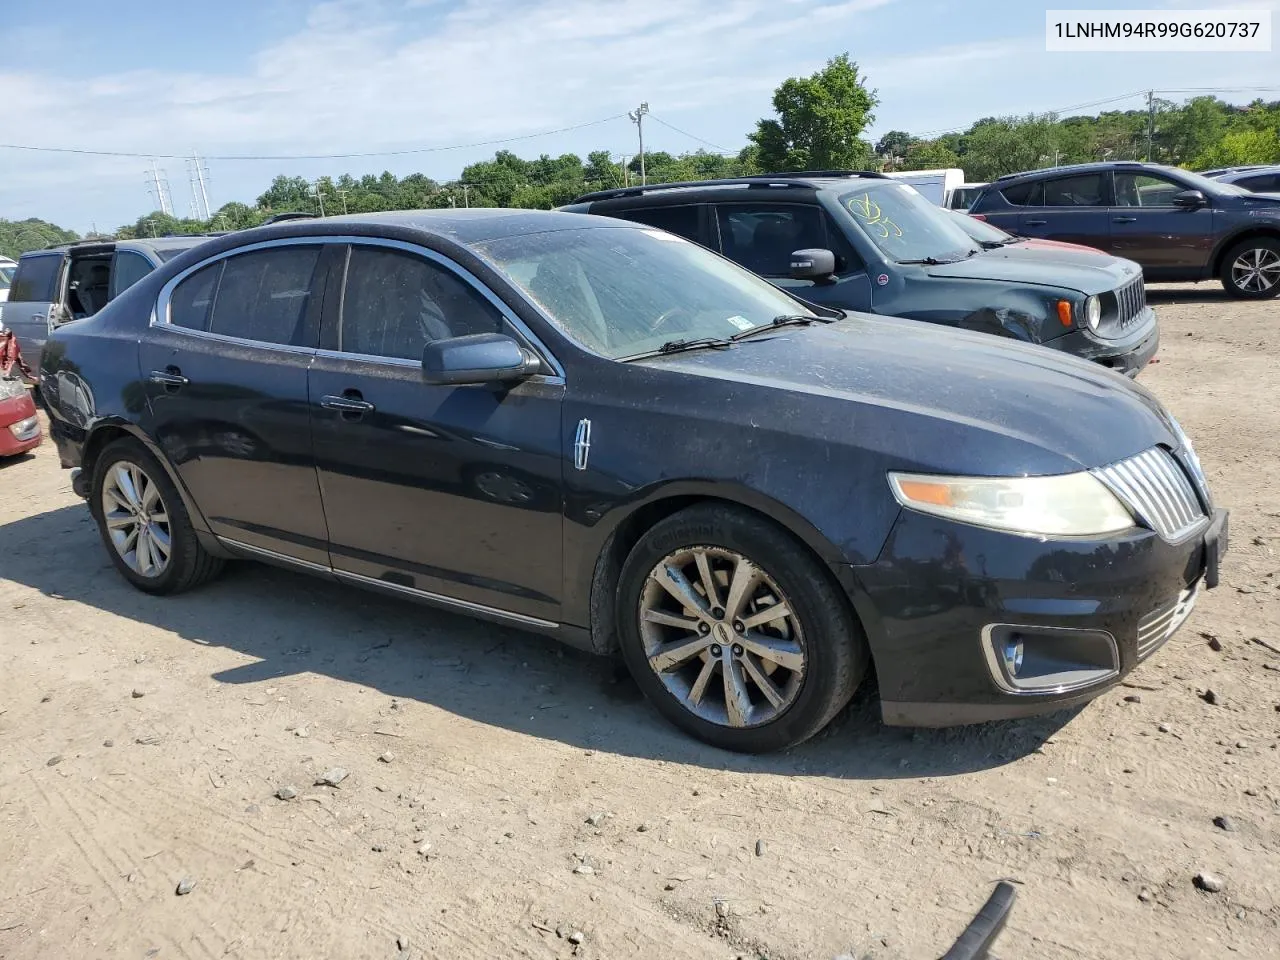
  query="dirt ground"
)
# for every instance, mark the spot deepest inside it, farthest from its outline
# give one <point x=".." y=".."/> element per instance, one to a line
<point x="143" y="740"/>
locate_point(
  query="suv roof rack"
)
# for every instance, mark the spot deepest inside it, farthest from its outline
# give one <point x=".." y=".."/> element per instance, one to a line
<point x="292" y="215"/>
<point x="1079" y="166"/>
<point x="798" y="178"/>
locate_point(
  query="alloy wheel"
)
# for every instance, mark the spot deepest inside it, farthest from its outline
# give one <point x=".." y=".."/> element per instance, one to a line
<point x="136" y="518"/>
<point x="1256" y="270"/>
<point x="722" y="636"/>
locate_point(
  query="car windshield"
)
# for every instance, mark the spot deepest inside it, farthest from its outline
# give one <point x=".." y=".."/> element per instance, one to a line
<point x="6" y="275"/>
<point x="626" y="291"/>
<point x="979" y="230"/>
<point x="904" y="225"/>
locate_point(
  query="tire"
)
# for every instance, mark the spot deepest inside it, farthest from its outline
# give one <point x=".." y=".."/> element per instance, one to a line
<point x="187" y="564"/>
<point x="692" y="691"/>
<point x="1251" y="269"/>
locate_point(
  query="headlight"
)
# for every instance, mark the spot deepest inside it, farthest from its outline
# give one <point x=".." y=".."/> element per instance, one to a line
<point x="1067" y="505"/>
<point x="1093" y="312"/>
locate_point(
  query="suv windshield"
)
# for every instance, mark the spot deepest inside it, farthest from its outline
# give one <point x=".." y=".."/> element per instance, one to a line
<point x="626" y="291"/>
<point x="904" y="225"/>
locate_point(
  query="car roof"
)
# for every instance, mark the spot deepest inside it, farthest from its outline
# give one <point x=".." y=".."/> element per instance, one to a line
<point x="1097" y="167"/>
<point x="465" y="226"/>
<point x="1244" y="173"/>
<point x="809" y="180"/>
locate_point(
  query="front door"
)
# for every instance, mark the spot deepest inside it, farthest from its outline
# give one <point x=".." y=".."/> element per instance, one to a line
<point x="33" y="304"/>
<point x="1148" y="228"/>
<point x="762" y="237"/>
<point x="449" y="492"/>
<point x="225" y="382"/>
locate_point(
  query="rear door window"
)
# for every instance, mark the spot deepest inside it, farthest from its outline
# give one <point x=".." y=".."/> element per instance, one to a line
<point x="1025" y="194"/>
<point x="263" y="295"/>
<point x="762" y="236"/>
<point x="1082" y="190"/>
<point x="126" y="270"/>
<point x="37" y="279"/>
<point x="192" y="299"/>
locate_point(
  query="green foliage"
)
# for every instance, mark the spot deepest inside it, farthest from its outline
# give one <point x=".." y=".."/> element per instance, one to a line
<point x="820" y="120"/>
<point x="895" y="143"/>
<point x="929" y="155"/>
<point x="1241" y="148"/>
<point x="19" y="236"/>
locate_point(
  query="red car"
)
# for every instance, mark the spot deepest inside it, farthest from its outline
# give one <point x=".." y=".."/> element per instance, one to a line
<point x="19" y="426"/>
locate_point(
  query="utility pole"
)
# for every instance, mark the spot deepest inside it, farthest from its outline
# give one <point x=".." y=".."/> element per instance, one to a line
<point x="637" y="117"/>
<point x="466" y="196"/>
<point x="1151" y="120"/>
<point x="319" y="196"/>
<point x="156" y="186"/>
<point x="199" y="173"/>
<point x="343" y="195"/>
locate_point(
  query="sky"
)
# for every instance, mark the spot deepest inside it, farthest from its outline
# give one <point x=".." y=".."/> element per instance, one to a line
<point x="284" y="78"/>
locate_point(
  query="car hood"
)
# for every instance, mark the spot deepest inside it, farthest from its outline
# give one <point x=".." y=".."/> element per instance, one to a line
<point x="994" y="400"/>
<point x="1088" y="273"/>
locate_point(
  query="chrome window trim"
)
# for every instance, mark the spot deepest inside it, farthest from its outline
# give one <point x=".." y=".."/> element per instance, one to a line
<point x="997" y="673"/>
<point x="161" y="315"/>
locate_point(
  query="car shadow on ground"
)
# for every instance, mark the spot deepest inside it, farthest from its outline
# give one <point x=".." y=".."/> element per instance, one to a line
<point x="1206" y="293"/>
<point x="291" y="624"/>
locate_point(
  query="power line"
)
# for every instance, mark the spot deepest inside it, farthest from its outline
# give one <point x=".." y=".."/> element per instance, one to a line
<point x="314" y="156"/>
<point x="686" y="133"/>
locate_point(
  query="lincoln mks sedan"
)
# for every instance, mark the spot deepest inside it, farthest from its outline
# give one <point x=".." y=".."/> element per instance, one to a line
<point x="606" y="433"/>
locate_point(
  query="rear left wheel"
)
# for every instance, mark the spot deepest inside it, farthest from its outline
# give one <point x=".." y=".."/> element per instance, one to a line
<point x="144" y="524"/>
<point x="735" y="632"/>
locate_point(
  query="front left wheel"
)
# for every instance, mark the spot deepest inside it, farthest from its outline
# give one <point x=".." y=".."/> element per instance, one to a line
<point x="144" y="523"/>
<point x="735" y="632"/>
<point x="1251" y="269"/>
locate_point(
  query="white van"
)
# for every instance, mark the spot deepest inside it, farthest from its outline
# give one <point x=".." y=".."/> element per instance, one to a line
<point x="7" y="269"/>
<point x="936" y="186"/>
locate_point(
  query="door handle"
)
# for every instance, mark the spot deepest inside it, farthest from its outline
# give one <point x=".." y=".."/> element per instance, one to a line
<point x="1035" y="223"/>
<point x="168" y="378"/>
<point x="347" y="404"/>
<point x="1124" y="219"/>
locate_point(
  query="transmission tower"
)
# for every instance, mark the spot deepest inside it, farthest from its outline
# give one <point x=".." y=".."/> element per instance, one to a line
<point x="158" y="187"/>
<point x="198" y="174"/>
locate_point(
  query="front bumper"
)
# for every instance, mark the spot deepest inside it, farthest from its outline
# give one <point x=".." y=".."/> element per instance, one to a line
<point x="942" y="594"/>
<point x="1126" y="355"/>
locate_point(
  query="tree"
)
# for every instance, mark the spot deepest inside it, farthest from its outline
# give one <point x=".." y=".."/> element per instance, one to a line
<point x="820" y="119"/>
<point x="993" y="148"/>
<point x="1240" y="148"/>
<point x="895" y="143"/>
<point x="19" y="236"/>
<point x="929" y="155"/>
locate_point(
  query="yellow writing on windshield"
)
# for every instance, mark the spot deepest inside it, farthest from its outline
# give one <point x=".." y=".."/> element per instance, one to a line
<point x="869" y="212"/>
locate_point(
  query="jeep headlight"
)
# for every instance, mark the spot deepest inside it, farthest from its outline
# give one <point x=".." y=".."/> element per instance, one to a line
<point x="1093" y="312"/>
<point x="1066" y="505"/>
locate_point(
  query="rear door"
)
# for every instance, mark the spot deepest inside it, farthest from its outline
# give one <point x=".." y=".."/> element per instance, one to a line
<point x="225" y="377"/>
<point x="693" y="221"/>
<point x="1148" y="228"/>
<point x="762" y="237"/>
<point x="1072" y="209"/>
<point x="29" y="312"/>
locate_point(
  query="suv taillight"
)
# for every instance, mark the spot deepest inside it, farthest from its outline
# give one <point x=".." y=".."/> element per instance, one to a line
<point x="979" y="216"/>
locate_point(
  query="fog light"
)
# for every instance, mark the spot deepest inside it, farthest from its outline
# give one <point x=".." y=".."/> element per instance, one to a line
<point x="1013" y="651"/>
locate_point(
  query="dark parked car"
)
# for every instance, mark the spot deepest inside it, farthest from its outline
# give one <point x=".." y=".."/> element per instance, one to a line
<point x="1179" y="226"/>
<point x="609" y="434"/>
<point x="866" y="242"/>
<point x="1254" y="179"/>
<point x="75" y="280"/>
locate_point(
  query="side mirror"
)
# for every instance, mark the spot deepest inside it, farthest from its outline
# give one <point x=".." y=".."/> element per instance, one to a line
<point x="1189" y="199"/>
<point x="812" y="264"/>
<point x="478" y="358"/>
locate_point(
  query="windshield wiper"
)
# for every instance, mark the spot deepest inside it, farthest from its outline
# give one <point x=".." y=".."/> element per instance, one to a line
<point x="679" y="346"/>
<point x="785" y="320"/>
<point x="935" y="262"/>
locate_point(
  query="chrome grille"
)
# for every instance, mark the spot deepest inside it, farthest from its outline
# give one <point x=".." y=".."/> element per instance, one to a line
<point x="1131" y="299"/>
<point x="1157" y="627"/>
<point x="1154" y="486"/>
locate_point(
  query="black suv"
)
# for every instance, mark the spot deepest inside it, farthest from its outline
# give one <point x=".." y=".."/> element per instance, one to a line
<point x="1179" y="225"/>
<point x="869" y="243"/>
